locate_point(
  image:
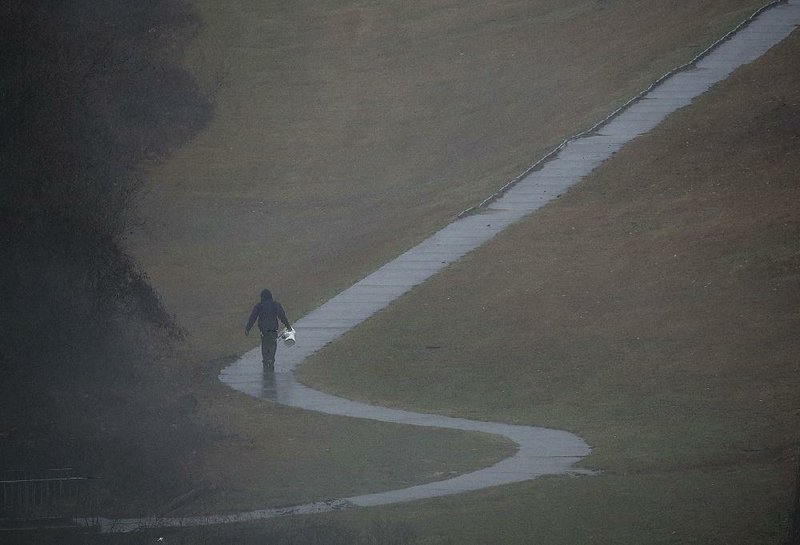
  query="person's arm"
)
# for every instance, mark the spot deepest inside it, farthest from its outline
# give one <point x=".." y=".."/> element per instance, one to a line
<point x="252" y="320"/>
<point x="282" y="316"/>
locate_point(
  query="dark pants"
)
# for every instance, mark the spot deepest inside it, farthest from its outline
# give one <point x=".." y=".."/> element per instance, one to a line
<point x="269" y="343"/>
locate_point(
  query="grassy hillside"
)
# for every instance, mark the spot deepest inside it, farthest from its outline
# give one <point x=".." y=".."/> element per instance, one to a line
<point x="347" y="131"/>
<point x="90" y="94"/>
<point x="652" y="310"/>
<point x="94" y="96"/>
<point x="343" y="133"/>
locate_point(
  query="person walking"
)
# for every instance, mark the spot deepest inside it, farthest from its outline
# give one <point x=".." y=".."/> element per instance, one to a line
<point x="268" y="312"/>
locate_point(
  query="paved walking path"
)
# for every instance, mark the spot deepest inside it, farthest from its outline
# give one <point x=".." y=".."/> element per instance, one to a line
<point x="540" y="451"/>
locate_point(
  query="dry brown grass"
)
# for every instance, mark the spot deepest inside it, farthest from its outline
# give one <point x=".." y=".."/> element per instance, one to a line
<point x="345" y="133"/>
<point x="652" y="310"/>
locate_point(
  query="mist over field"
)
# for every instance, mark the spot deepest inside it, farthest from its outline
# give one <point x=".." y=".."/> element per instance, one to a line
<point x="163" y="161"/>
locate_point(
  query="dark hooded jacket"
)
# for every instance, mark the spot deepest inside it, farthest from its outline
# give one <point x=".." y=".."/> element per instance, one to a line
<point x="267" y="312"/>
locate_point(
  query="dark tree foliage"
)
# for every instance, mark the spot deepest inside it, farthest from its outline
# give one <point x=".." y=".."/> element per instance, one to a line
<point x="90" y="91"/>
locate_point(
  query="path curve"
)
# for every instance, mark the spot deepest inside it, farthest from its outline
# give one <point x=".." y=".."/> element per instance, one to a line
<point x="541" y="451"/>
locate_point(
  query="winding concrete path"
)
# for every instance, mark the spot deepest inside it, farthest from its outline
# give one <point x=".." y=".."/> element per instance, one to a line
<point x="540" y="451"/>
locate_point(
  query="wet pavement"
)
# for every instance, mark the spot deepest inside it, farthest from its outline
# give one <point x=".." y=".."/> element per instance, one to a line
<point x="540" y="451"/>
<point x="574" y="160"/>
